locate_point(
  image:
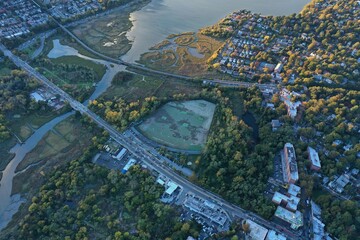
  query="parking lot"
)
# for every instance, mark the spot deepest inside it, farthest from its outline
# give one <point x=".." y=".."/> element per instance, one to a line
<point x="208" y="229"/>
<point x="106" y="160"/>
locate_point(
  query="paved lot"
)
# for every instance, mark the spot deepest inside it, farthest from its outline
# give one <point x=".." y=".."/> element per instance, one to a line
<point x="106" y="160"/>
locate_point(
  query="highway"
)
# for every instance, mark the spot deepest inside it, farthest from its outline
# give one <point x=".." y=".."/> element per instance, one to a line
<point x="151" y="158"/>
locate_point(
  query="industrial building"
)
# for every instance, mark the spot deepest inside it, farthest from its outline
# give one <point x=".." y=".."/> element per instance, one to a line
<point x="290" y="164"/>
<point x="314" y="159"/>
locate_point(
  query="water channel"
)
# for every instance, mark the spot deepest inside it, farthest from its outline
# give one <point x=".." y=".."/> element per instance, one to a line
<point x="160" y="18"/>
<point x="9" y="204"/>
<point x="151" y="25"/>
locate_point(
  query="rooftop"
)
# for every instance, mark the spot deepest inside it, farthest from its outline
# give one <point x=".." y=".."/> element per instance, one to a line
<point x="257" y="232"/>
<point x="294" y="218"/>
<point x="291" y="161"/>
<point x="291" y="202"/>
<point x="272" y="235"/>
<point x="171" y="187"/>
<point x="294" y="189"/>
<point x="208" y="210"/>
<point x="318" y="229"/>
<point x="316" y="210"/>
<point x="314" y="157"/>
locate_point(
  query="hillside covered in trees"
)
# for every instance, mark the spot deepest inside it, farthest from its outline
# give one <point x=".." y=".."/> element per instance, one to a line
<point x="85" y="201"/>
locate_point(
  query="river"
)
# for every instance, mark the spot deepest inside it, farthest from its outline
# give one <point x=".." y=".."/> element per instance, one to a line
<point x="9" y="204"/>
<point x="160" y="18"/>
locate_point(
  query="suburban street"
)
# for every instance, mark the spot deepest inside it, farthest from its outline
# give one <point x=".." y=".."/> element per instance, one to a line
<point x="150" y="158"/>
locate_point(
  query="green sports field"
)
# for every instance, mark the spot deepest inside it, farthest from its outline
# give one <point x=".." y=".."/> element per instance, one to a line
<point x="180" y="125"/>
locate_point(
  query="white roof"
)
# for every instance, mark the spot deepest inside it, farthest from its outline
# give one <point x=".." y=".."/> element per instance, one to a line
<point x="272" y="235"/>
<point x="209" y="204"/>
<point x="314" y="157"/>
<point x="130" y="163"/>
<point x="160" y="181"/>
<point x="292" y="201"/>
<point x="295" y="219"/>
<point x="121" y="153"/>
<point x="294" y="190"/>
<point x="37" y="97"/>
<point x="257" y="232"/>
<point x="171" y="187"/>
<point x="316" y="210"/>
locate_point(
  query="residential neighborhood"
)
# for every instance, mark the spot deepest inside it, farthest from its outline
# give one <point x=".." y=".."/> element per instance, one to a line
<point x="121" y="119"/>
<point x="19" y="17"/>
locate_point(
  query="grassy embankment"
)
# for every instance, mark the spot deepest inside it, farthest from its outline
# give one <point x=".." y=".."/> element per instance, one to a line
<point x="66" y="142"/>
<point x="141" y="86"/>
<point x="23" y="127"/>
<point x="21" y="124"/>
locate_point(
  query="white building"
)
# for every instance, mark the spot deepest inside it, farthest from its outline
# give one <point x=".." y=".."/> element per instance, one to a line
<point x="314" y="158"/>
<point x="257" y="232"/>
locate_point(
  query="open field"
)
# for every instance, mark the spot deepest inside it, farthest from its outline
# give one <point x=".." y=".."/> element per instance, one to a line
<point x="140" y="87"/>
<point x="73" y="74"/>
<point x="64" y="143"/>
<point x="180" y="125"/>
<point x="186" y="54"/>
<point x="23" y="126"/>
<point x="100" y="69"/>
<point x="32" y="48"/>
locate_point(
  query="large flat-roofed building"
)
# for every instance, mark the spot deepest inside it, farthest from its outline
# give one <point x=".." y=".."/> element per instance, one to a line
<point x="314" y="159"/>
<point x="171" y="187"/>
<point x="209" y="210"/>
<point x="257" y="232"/>
<point x="128" y="165"/>
<point x="272" y="235"/>
<point x="290" y="167"/>
<point x="294" y="218"/>
<point x="318" y="226"/>
<point x="120" y="154"/>
<point x="294" y="190"/>
<point x="290" y="202"/>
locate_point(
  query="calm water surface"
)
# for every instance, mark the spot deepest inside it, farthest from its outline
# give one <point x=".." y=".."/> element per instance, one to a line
<point x="9" y="204"/>
<point x="160" y="18"/>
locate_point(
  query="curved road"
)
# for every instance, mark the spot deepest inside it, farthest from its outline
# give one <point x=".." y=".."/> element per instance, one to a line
<point x="166" y="74"/>
<point x="151" y="158"/>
